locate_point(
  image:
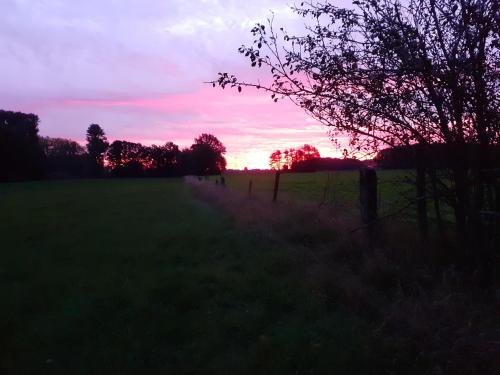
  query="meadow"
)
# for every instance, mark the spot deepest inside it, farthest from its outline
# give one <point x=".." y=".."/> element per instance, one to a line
<point x="339" y="190"/>
<point x="138" y="276"/>
<point x="406" y="287"/>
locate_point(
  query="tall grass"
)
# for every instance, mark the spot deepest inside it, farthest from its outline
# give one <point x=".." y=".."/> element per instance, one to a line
<point x="403" y="288"/>
<point x="340" y="190"/>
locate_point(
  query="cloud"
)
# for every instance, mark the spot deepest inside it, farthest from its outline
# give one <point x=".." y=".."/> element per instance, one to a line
<point x="137" y="67"/>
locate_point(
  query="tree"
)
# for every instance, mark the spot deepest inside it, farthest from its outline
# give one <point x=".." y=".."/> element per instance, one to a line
<point x="20" y="152"/>
<point x="164" y="160"/>
<point x="212" y="142"/>
<point x="126" y="159"/>
<point x="207" y="155"/>
<point x="276" y="160"/>
<point x="63" y="157"/>
<point x="97" y="144"/>
<point x="393" y="73"/>
<point x="308" y="152"/>
<point x="304" y="153"/>
<point x="288" y="158"/>
<point x="60" y="147"/>
<point x="327" y="164"/>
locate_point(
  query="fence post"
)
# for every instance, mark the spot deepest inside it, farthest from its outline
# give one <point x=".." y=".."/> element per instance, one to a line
<point x="222" y="181"/>
<point x="421" y="191"/>
<point x="496" y="209"/>
<point x="250" y="183"/>
<point x="368" y="200"/>
<point x="276" y="185"/>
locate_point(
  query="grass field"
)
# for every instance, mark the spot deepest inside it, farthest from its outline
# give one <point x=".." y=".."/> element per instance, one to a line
<point x="136" y="276"/>
<point x="339" y="189"/>
<point x="336" y="187"/>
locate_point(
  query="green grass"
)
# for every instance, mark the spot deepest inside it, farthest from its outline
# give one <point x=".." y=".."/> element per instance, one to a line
<point x="135" y="276"/>
<point x="340" y="188"/>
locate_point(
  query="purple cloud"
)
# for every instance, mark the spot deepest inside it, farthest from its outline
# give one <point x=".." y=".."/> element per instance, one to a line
<point x="137" y="68"/>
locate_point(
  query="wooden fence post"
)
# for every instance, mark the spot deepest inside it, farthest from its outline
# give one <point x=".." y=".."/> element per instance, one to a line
<point x="496" y="208"/>
<point x="368" y="201"/>
<point x="423" y="225"/>
<point x="250" y="183"/>
<point x="276" y="185"/>
<point x="222" y="181"/>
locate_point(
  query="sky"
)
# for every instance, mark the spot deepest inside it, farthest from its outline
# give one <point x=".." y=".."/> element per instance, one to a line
<point x="138" y="67"/>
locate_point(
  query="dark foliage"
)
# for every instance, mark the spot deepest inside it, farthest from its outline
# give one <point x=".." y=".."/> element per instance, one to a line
<point x="20" y="152"/>
<point x="24" y="155"/>
<point x="63" y="158"/>
<point x="327" y="164"/>
<point x="405" y="157"/>
<point x="206" y="156"/>
<point x="126" y="159"/>
<point x="287" y="159"/>
<point x="97" y="144"/>
<point x="164" y="160"/>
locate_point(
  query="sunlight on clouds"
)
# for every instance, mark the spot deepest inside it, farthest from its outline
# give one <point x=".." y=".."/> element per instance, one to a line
<point x="217" y="17"/>
<point x="138" y="70"/>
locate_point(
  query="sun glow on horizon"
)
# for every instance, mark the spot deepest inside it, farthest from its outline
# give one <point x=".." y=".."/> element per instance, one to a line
<point x="259" y="159"/>
<point x="145" y="90"/>
<point x="251" y="160"/>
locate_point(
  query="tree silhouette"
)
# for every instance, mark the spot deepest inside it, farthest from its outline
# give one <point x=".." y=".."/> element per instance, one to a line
<point x="63" y="157"/>
<point x="126" y="159"/>
<point x="97" y="144"/>
<point x="20" y="152"/>
<point x="207" y="155"/>
<point x="204" y="157"/>
<point x="288" y="158"/>
<point x="24" y="155"/>
<point x="164" y="160"/>
<point x="389" y="73"/>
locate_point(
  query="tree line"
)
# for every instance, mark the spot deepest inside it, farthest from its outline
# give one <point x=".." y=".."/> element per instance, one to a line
<point x="406" y="157"/>
<point x="25" y="155"/>
<point x="308" y="159"/>
<point x="289" y="158"/>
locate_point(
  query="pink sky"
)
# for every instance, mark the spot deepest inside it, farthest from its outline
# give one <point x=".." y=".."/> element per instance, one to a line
<point x="137" y="68"/>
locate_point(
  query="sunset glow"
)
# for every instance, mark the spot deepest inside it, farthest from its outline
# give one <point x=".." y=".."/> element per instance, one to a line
<point x="139" y="72"/>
